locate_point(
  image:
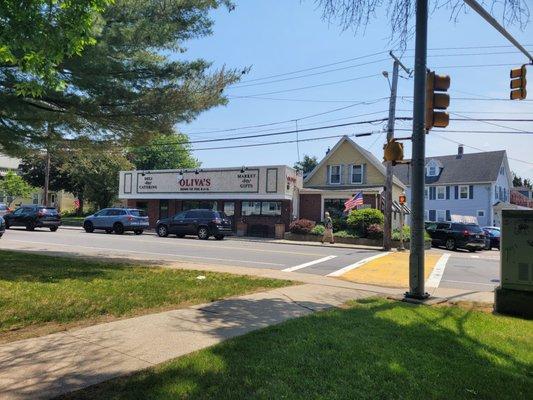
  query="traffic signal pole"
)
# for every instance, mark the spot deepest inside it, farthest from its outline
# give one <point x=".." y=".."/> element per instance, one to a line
<point x="416" y="257"/>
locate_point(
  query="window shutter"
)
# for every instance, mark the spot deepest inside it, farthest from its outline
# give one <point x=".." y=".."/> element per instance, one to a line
<point x="328" y="170"/>
<point x="363" y="171"/>
<point x="432" y="215"/>
<point x="448" y="215"/>
<point x="471" y="192"/>
<point x="456" y="192"/>
<point x="341" y="174"/>
<point x="432" y="192"/>
<point x="447" y="193"/>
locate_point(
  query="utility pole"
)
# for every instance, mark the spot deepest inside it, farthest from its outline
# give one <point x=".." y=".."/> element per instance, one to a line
<point x="47" y="168"/>
<point x="387" y="224"/>
<point x="416" y="257"/>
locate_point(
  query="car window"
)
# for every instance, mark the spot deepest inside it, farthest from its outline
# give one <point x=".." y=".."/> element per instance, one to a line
<point x="120" y="212"/>
<point x="473" y="228"/>
<point x="138" y="213"/>
<point x="18" y="211"/>
<point x="193" y="214"/>
<point x="27" y="209"/>
<point x="3" y="207"/>
<point x="108" y="213"/>
<point x="49" y="211"/>
<point x="180" y="215"/>
<point x="208" y="214"/>
<point x="443" y="226"/>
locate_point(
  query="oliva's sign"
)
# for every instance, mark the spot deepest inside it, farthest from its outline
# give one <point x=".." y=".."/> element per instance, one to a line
<point x="223" y="181"/>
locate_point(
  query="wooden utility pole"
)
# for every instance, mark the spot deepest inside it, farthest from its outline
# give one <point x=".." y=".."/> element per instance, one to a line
<point x="47" y="168"/>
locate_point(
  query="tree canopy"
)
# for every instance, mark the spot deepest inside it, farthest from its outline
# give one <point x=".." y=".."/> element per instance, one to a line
<point x="127" y="87"/>
<point x="13" y="186"/>
<point x="307" y="164"/>
<point x="37" y="35"/>
<point x="163" y="152"/>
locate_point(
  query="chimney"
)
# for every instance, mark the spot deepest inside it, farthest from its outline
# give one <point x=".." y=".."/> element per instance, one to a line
<point x="460" y="150"/>
<point x="328" y="150"/>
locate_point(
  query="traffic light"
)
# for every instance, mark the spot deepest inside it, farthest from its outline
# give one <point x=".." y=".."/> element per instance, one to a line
<point x="436" y="100"/>
<point x="518" y="83"/>
<point x="393" y="151"/>
<point x="402" y="199"/>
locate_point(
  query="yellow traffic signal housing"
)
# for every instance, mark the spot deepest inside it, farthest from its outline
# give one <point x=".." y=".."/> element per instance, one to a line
<point x="518" y="83"/>
<point x="437" y="101"/>
<point x="393" y="151"/>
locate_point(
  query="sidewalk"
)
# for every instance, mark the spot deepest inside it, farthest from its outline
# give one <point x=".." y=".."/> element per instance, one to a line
<point x="48" y="366"/>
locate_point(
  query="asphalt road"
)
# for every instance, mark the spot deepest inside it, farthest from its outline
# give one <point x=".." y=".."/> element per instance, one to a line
<point x="477" y="272"/>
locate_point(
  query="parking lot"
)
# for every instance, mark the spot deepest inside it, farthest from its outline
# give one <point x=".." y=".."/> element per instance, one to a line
<point x="472" y="271"/>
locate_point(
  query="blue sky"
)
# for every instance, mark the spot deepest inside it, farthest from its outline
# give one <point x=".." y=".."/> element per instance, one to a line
<point x="281" y="36"/>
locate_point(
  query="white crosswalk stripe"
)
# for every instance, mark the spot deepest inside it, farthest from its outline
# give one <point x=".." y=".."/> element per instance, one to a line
<point x="308" y="264"/>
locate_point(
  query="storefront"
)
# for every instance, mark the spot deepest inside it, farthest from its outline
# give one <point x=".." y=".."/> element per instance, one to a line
<point x="255" y="198"/>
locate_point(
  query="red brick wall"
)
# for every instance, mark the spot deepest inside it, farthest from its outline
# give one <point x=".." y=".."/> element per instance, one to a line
<point x="310" y="207"/>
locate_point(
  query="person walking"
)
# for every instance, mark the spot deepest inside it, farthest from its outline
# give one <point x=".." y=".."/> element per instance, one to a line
<point x="328" y="231"/>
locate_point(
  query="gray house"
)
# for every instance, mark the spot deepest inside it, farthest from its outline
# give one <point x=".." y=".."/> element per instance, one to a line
<point x="463" y="187"/>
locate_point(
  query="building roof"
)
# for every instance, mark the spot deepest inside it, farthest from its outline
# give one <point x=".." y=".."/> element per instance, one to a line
<point x="465" y="168"/>
<point x="368" y="155"/>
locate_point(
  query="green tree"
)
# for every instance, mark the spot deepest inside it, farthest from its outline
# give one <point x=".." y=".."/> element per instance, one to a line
<point x="517" y="181"/>
<point x="37" y="35"/>
<point x="307" y="164"/>
<point x="98" y="171"/>
<point x="13" y="186"/>
<point x="163" y="152"/>
<point x="128" y="87"/>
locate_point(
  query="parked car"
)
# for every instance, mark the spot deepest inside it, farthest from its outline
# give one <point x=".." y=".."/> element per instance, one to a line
<point x="2" y="226"/>
<point x="204" y="223"/>
<point x="456" y="235"/>
<point x="34" y="216"/>
<point x="492" y="237"/>
<point x="4" y="209"/>
<point x="118" y="220"/>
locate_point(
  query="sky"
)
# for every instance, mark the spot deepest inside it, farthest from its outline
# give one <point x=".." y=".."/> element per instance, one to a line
<point x="279" y="37"/>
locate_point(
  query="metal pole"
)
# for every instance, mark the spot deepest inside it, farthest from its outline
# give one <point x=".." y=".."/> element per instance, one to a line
<point x="401" y="246"/>
<point x="47" y="170"/>
<point x="387" y="224"/>
<point x="416" y="257"/>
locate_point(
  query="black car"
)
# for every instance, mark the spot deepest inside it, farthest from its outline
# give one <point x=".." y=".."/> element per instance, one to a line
<point x="2" y="226"/>
<point x="492" y="237"/>
<point x="204" y="223"/>
<point x="455" y="235"/>
<point x="34" y="216"/>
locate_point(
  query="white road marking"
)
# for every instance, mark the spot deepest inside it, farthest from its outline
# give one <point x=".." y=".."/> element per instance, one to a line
<point x="108" y="250"/>
<point x="357" y="264"/>
<point x="474" y="256"/>
<point x="472" y="283"/>
<point x="437" y="273"/>
<point x="308" y="264"/>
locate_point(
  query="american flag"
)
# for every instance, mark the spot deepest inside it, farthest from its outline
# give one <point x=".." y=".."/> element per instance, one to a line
<point x="356" y="200"/>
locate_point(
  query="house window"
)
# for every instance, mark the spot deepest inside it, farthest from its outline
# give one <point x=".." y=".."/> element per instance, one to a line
<point x="496" y="192"/>
<point x="426" y="215"/>
<point x="480" y="213"/>
<point x="441" y="192"/>
<point x="357" y="174"/>
<point x="502" y="170"/>
<point x="426" y="193"/>
<point x="432" y="170"/>
<point x="504" y="194"/>
<point x="441" y="215"/>
<point x="463" y="192"/>
<point x="35" y="198"/>
<point x="335" y="174"/>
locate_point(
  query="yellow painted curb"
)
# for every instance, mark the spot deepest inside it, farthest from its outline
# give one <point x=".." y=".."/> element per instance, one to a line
<point x="390" y="270"/>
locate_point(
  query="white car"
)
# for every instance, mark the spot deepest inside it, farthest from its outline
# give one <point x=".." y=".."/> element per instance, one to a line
<point x="4" y="209"/>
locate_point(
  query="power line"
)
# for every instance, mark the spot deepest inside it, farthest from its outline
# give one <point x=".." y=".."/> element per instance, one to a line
<point x="444" y="130"/>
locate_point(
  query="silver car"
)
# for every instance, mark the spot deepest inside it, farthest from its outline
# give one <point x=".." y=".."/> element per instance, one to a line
<point x="4" y="209"/>
<point x="118" y="220"/>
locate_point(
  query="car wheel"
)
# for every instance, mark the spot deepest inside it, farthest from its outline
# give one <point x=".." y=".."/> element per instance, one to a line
<point x="88" y="226"/>
<point x="162" y="231"/>
<point x="219" y="237"/>
<point x="53" y="228"/>
<point x="203" y="233"/>
<point x="118" y="228"/>
<point x="450" y="244"/>
<point x="30" y="226"/>
<point x="7" y="225"/>
<point x="138" y="231"/>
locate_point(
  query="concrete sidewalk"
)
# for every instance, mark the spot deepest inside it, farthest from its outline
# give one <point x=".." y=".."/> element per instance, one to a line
<point x="48" y="366"/>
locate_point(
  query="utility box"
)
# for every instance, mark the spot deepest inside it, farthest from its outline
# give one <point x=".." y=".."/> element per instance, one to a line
<point x="515" y="294"/>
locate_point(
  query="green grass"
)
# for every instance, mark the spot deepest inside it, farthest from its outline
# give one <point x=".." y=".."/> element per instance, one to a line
<point x="36" y="290"/>
<point x="375" y="349"/>
<point x="72" y="221"/>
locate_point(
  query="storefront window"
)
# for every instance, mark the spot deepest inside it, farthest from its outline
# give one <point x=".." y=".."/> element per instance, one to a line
<point x="271" y="208"/>
<point x="335" y="207"/>
<point x="251" y="208"/>
<point x="229" y="208"/>
<point x="196" y="204"/>
<point x="142" y="205"/>
<point x="163" y="209"/>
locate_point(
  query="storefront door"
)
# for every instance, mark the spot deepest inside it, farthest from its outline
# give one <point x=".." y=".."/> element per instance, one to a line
<point x="229" y="210"/>
<point x="163" y="209"/>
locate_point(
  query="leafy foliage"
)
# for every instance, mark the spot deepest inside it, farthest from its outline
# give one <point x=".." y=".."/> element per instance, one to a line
<point x="125" y="88"/>
<point x="519" y="182"/>
<point x="301" y="226"/>
<point x="307" y="164"/>
<point x="163" y="152"/>
<point x="360" y="220"/>
<point x="14" y="186"/>
<point x="37" y="35"/>
<point x="407" y="234"/>
<point x="318" y="230"/>
<point x="374" y="231"/>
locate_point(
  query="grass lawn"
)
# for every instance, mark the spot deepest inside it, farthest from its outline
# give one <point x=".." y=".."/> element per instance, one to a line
<point x="72" y="221"/>
<point x="40" y="294"/>
<point x="373" y="349"/>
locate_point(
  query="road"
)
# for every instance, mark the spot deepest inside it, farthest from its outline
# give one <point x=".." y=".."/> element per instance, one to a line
<point x="464" y="270"/>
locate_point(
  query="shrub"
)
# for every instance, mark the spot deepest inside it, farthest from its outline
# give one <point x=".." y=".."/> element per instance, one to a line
<point x="360" y="220"/>
<point x="407" y="234"/>
<point x="375" y="231"/>
<point x="345" y="234"/>
<point x="318" y="230"/>
<point x="301" y="226"/>
<point x="339" y="223"/>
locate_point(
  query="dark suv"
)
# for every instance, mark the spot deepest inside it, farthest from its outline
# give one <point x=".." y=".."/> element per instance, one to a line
<point x="204" y="223"/>
<point x="455" y="235"/>
<point x="33" y="216"/>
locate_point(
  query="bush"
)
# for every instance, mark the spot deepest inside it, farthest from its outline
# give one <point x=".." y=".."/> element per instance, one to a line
<point x="345" y="234"/>
<point x="407" y="234"/>
<point x="301" y="226"/>
<point x="318" y="230"/>
<point x="339" y="224"/>
<point x="375" y="231"/>
<point x="360" y="220"/>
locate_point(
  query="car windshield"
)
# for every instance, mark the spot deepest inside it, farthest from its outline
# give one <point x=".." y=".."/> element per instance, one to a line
<point x="49" y="211"/>
<point x="138" y="213"/>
